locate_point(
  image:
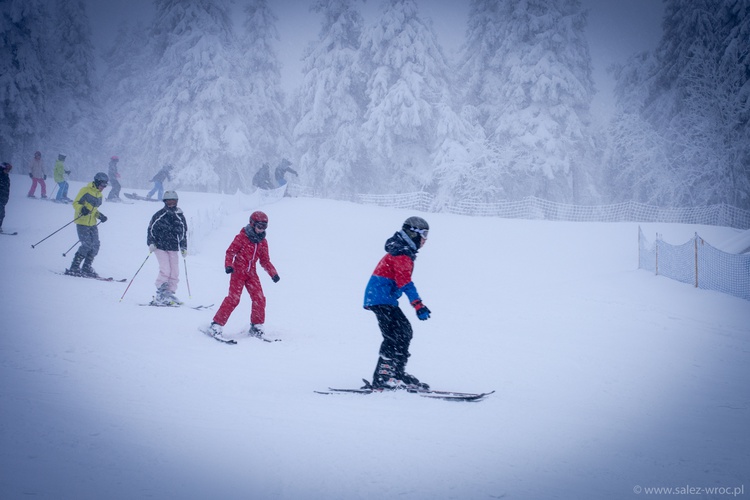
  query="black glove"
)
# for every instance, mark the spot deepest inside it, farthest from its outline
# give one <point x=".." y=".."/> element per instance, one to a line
<point x="45" y="177"/>
<point x="67" y="172"/>
<point x="275" y="278"/>
<point x="102" y="217"/>
<point x="30" y="176"/>
<point x="85" y="210"/>
<point x="229" y="269"/>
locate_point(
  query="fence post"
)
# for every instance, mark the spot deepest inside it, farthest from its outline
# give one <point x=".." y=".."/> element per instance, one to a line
<point x="695" y="240"/>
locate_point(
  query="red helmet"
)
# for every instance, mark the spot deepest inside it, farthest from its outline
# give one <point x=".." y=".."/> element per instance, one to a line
<point x="258" y="217"/>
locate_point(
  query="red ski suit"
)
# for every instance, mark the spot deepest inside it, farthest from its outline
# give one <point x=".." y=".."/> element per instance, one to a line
<point x="242" y="256"/>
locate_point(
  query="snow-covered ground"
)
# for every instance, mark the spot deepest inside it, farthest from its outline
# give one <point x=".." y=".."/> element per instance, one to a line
<point x="608" y="378"/>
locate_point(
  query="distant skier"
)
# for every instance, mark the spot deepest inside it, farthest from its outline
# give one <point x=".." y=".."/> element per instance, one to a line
<point x="282" y="170"/>
<point x="38" y="175"/>
<point x="4" y="190"/>
<point x="262" y="178"/>
<point x="166" y="237"/>
<point x="158" y="180"/>
<point x="59" y="175"/>
<point x="114" y="175"/>
<point x="391" y="279"/>
<point x="86" y="206"/>
<point x="247" y="248"/>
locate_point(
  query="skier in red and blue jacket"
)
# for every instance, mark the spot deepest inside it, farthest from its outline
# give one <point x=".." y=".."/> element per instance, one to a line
<point x="390" y="280"/>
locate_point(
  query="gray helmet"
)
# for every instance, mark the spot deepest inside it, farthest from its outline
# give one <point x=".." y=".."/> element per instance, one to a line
<point x="101" y="178"/>
<point x="416" y="228"/>
<point x="169" y="195"/>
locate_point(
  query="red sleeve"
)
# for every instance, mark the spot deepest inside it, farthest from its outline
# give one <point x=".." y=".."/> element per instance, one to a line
<point x="232" y="251"/>
<point x="265" y="260"/>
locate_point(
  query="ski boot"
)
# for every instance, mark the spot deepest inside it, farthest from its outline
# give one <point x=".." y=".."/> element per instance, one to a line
<point x="215" y="330"/>
<point x="385" y="377"/>
<point x="87" y="271"/>
<point x="257" y="331"/>
<point x="166" y="296"/>
<point x="412" y="383"/>
<point x="75" y="266"/>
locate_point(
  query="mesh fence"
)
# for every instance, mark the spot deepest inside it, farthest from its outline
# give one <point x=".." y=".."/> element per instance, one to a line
<point x="537" y="208"/>
<point x="697" y="263"/>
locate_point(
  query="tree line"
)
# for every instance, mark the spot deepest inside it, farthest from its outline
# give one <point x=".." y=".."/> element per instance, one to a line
<point x="380" y="108"/>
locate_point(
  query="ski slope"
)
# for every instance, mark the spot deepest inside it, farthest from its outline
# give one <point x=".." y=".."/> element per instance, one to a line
<point x="607" y="378"/>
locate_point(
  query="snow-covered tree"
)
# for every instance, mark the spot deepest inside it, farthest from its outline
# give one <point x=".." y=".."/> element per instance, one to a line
<point x="73" y="110"/>
<point x="637" y="165"/>
<point x="533" y="91"/>
<point x="409" y="117"/>
<point x="23" y="99"/>
<point x="187" y="106"/>
<point x="129" y="63"/>
<point x="261" y="99"/>
<point x="331" y="102"/>
<point x="696" y="107"/>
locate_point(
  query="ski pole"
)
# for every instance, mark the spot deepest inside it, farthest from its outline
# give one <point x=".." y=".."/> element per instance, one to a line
<point x="65" y="253"/>
<point x="136" y="274"/>
<point x="66" y="225"/>
<point x="187" y="281"/>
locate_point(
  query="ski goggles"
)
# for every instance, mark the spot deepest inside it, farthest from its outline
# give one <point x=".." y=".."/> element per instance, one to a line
<point x="261" y="224"/>
<point x="422" y="232"/>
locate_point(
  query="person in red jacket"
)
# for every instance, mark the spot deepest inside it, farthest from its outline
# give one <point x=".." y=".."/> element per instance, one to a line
<point x="248" y="247"/>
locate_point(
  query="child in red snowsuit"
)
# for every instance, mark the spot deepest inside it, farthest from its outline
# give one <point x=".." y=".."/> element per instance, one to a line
<point x="247" y="248"/>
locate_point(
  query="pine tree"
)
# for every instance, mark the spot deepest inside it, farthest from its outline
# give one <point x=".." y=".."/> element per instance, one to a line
<point x="697" y="103"/>
<point x="331" y="102"/>
<point x="187" y="110"/>
<point x="534" y="96"/>
<point x="73" y="110"/>
<point x="409" y="117"/>
<point x="261" y="99"/>
<point x="637" y="165"/>
<point x="129" y="63"/>
<point x="23" y="100"/>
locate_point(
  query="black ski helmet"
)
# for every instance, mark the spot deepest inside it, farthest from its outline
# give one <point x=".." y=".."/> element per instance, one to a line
<point x="101" y="178"/>
<point x="416" y="228"/>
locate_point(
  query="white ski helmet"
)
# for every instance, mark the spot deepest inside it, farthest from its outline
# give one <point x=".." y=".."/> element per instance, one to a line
<point x="170" y="195"/>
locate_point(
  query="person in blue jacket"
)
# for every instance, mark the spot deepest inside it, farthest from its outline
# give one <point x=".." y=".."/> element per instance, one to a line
<point x="158" y="180"/>
<point x="282" y="170"/>
<point x="391" y="279"/>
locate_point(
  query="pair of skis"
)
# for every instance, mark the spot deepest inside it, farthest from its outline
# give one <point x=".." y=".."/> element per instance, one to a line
<point x="224" y="340"/>
<point x="425" y="393"/>
<point x="99" y="278"/>
<point x="175" y="305"/>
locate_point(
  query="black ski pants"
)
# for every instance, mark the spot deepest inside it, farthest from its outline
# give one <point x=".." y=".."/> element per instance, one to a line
<point x="397" y="334"/>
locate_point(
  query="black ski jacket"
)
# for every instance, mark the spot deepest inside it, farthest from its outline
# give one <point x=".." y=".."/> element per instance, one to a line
<point x="168" y="230"/>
